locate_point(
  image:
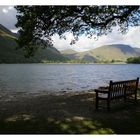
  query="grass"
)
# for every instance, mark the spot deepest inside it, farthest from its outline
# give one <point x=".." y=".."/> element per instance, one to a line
<point x="52" y="126"/>
<point x="68" y="115"/>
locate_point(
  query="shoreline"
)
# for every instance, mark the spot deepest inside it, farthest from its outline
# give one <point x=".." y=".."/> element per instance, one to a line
<point x="45" y="105"/>
<point x="70" y="63"/>
<point x="44" y="93"/>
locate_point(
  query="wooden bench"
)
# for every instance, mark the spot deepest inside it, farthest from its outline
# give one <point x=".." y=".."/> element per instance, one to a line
<point x="116" y="90"/>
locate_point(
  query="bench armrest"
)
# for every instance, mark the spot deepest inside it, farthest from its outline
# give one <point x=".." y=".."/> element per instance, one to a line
<point x="101" y="91"/>
<point x="97" y="91"/>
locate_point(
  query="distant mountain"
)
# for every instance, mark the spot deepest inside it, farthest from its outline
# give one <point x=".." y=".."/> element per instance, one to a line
<point x="107" y="53"/>
<point x="114" y="52"/>
<point x="137" y="50"/>
<point x="70" y="53"/>
<point x="82" y="56"/>
<point x="5" y="31"/>
<point x="9" y="54"/>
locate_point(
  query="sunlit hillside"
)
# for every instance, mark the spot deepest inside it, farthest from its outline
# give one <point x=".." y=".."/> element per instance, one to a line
<point x="118" y="52"/>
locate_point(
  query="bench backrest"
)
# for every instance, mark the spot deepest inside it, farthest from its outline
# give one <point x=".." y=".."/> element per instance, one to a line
<point x="131" y="86"/>
<point x="120" y="88"/>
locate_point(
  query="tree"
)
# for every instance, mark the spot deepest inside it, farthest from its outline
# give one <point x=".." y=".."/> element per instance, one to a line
<point x="135" y="60"/>
<point x="39" y="23"/>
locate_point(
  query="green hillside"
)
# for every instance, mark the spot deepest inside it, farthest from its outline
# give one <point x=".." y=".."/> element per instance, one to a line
<point x="71" y="54"/>
<point x="5" y="32"/>
<point x="134" y="60"/>
<point x="107" y="53"/>
<point x="9" y="54"/>
<point x="118" y="52"/>
<point x="81" y="56"/>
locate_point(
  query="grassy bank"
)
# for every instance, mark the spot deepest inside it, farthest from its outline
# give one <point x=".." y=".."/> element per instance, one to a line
<point x="72" y="113"/>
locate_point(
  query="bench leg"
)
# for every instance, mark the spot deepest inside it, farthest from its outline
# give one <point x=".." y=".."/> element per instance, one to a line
<point x="97" y="101"/>
<point x="96" y="104"/>
<point x="124" y="98"/>
<point x="135" y="97"/>
<point x="108" y="105"/>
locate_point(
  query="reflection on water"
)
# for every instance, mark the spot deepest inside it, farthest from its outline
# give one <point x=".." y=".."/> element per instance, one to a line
<point x="55" y="77"/>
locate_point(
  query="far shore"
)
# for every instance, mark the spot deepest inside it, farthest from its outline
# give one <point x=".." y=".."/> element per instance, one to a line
<point x="70" y="63"/>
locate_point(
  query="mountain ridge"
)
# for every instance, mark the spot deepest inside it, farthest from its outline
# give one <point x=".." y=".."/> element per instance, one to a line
<point x="114" y="52"/>
<point x="9" y="54"/>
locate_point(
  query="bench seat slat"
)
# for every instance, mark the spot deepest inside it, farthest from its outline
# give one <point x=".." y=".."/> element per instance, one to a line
<point x="104" y="96"/>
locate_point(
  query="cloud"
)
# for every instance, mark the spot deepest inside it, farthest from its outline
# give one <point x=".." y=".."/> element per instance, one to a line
<point x="8" y="16"/>
<point x="132" y="37"/>
<point x="10" y="7"/>
<point x="4" y="10"/>
<point x="116" y="37"/>
<point x="14" y="30"/>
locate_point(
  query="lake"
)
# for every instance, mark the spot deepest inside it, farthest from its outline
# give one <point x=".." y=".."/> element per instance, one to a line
<point x="34" y="78"/>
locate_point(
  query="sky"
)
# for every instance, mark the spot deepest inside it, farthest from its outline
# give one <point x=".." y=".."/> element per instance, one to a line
<point x="8" y="19"/>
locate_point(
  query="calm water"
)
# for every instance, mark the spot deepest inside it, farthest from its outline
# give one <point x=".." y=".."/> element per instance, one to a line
<point x="33" y="78"/>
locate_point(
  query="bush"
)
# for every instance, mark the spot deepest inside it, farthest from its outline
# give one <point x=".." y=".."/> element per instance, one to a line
<point x="135" y="60"/>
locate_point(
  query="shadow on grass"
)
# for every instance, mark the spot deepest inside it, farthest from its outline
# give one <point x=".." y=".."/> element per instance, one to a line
<point x="54" y="126"/>
<point x="68" y="115"/>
